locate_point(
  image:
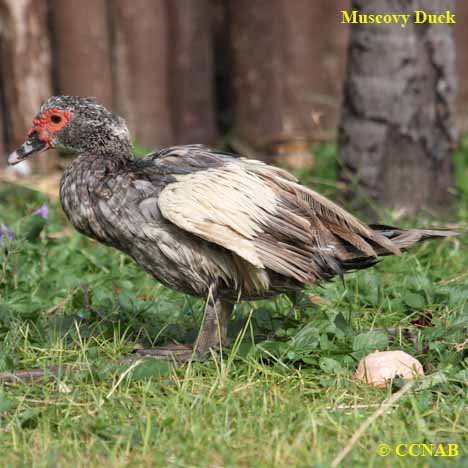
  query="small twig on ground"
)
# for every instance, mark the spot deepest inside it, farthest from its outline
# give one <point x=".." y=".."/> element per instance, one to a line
<point x="457" y="279"/>
<point x="36" y="374"/>
<point x="351" y="407"/>
<point x="386" y="405"/>
<point x="32" y="375"/>
<point x="123" y="375"/>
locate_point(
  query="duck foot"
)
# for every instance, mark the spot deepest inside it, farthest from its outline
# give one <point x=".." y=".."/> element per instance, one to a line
<point x="172" y="352"/>
<point x="212" y="336"/>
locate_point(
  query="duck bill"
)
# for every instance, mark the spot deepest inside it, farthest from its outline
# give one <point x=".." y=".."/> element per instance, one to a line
<point x="32" y="145"/>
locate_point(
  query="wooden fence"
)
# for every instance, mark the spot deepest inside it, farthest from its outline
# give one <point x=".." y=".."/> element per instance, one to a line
<point x="180" y="71"/>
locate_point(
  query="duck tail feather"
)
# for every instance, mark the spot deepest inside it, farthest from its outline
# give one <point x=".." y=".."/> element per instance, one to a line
<point x="404" y="239"/>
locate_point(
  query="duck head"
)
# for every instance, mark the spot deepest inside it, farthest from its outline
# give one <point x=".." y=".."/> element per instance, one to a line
<point x="75" y="125"/>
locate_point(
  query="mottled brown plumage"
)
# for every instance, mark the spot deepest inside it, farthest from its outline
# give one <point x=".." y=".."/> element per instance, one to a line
<point x="202" y="222"/>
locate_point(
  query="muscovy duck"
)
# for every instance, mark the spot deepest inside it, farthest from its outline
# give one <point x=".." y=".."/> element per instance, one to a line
<point x="202" y="222"/>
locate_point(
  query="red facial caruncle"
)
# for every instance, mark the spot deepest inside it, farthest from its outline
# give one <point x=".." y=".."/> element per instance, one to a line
<point x="50" y="122"/>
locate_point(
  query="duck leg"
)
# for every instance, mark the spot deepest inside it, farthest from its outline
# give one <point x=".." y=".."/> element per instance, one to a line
<point x="213" y="331"/>
<point x="212" y="335"/>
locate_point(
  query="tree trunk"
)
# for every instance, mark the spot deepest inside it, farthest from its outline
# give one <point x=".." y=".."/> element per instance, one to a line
<point x="141" y="60"/>
<point x="258" y="84"/>
<point x="461" y="35"/>
<point x="397" y="130"/>
<point x="192" y="71"/>
<point x="81" y="40"/>
<point x="26" y="68"/>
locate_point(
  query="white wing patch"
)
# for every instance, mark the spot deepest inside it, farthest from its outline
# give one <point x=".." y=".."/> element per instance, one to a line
<point x="227" y="206"/>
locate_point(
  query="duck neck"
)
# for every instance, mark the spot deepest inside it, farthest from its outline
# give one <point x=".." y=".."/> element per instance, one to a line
<point x="98" y="165"/>
<point x="124" y="156"/>
<point x="122" y="151"/>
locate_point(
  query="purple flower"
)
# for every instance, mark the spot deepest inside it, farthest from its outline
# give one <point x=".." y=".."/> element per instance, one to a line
<point x="5" y="233"/>
<point x="43" y="211"/>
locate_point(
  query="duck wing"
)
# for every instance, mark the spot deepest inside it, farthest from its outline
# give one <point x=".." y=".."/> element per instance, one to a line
<point x="262" y="214"/>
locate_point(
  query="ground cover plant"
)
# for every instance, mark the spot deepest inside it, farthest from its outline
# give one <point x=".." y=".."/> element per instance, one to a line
<point x="282" y="396"/>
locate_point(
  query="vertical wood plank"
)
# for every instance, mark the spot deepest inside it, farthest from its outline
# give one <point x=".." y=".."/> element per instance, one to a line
<point x="315" y="62"/>
<point x="257" y="30"/>
<point x="141" y="62"/>
<point x="26" y="64"/>
<point x="82" y="51"/>
<point x="192" y="71"/>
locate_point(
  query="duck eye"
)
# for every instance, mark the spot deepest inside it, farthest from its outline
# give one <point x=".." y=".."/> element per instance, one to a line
<point x="55" y="119"/>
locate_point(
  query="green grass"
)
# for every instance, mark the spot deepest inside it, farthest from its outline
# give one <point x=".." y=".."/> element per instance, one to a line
<point x="284" y="396"/>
